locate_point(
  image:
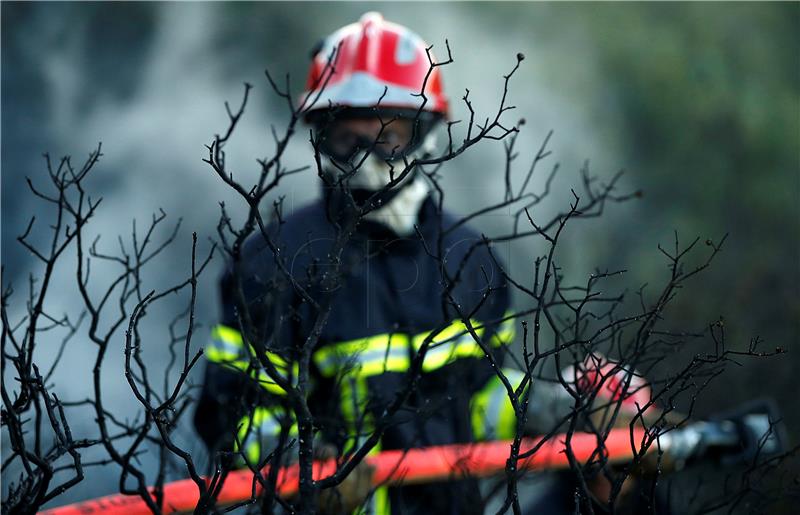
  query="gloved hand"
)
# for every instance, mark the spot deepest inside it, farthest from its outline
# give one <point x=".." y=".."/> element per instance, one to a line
<point x="351" y="493"/>
<point x="609" y="383"/>
<point x="612" y="385"/>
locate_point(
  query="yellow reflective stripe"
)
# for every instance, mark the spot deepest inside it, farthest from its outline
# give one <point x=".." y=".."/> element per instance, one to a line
<point x="260" y="376"/>
<point x="372" y="368"/>
<point x="389" y="352"/>
<point x="503" y="338"/>
<point x="457" y="329"/>
<point x="226" y="345"/>
<point x="227" y="348"/>
<point x="381" y="503"/>
<point x="378" y="502"/>
<point x="492" y="414"/>
<point x="217" y="355"/>
<point x="262" y="426"/>
<point x="506" y="426"/>
<point x="450" y="344"/>
<point x="227" y="334"/>
<point x="365" y="356"/>
<point x="437" y="357"/>
<point x="276" y="359"/>
<point x="230" y="340"/>
<point x="506" y="332"/>
<point x="480" y="401"/>
<point x="353" y="401"/>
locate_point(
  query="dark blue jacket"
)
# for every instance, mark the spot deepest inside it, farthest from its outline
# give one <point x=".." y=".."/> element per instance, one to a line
<point x="385" y="298"/>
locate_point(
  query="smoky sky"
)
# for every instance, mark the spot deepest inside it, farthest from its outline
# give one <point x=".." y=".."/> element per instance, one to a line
<point x="149" y="81"/>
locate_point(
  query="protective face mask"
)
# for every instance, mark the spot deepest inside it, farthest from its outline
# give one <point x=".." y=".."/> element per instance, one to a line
<point x="401" y="211"/>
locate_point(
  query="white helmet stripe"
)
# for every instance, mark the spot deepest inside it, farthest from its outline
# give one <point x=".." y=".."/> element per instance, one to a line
<point x="363" y="90"/>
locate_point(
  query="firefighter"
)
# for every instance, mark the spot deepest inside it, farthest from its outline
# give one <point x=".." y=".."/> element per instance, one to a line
<point x="375" y="273"/>
<point x="402" y="276"/>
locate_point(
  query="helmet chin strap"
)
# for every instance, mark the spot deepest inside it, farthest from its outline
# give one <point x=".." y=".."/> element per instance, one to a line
<point x="397" y="208"/>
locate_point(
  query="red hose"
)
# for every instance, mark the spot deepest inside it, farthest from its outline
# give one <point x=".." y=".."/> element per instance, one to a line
<point x="391" y="467"/>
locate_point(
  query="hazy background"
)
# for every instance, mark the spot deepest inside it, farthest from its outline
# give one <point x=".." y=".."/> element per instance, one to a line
<point x="699" y="103"/>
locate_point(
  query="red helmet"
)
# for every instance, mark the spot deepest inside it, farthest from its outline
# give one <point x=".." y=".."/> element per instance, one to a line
<point x="374" y="56"/>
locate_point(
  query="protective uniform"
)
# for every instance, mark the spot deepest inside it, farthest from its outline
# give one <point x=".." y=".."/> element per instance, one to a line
<point x="386" y="295"/>
<point x="388" y="301"/>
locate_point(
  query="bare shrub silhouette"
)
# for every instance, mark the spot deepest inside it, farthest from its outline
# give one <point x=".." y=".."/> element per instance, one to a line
<point x="577" y="367"/>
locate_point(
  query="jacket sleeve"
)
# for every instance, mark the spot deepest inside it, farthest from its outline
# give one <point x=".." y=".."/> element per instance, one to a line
<point x="242" y="403"/>
<point x="495" y="315"/>
<point x="491" y="413"/>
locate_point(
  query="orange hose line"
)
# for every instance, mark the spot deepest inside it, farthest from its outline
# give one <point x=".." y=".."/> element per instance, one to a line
<point x="393" y="467"/>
